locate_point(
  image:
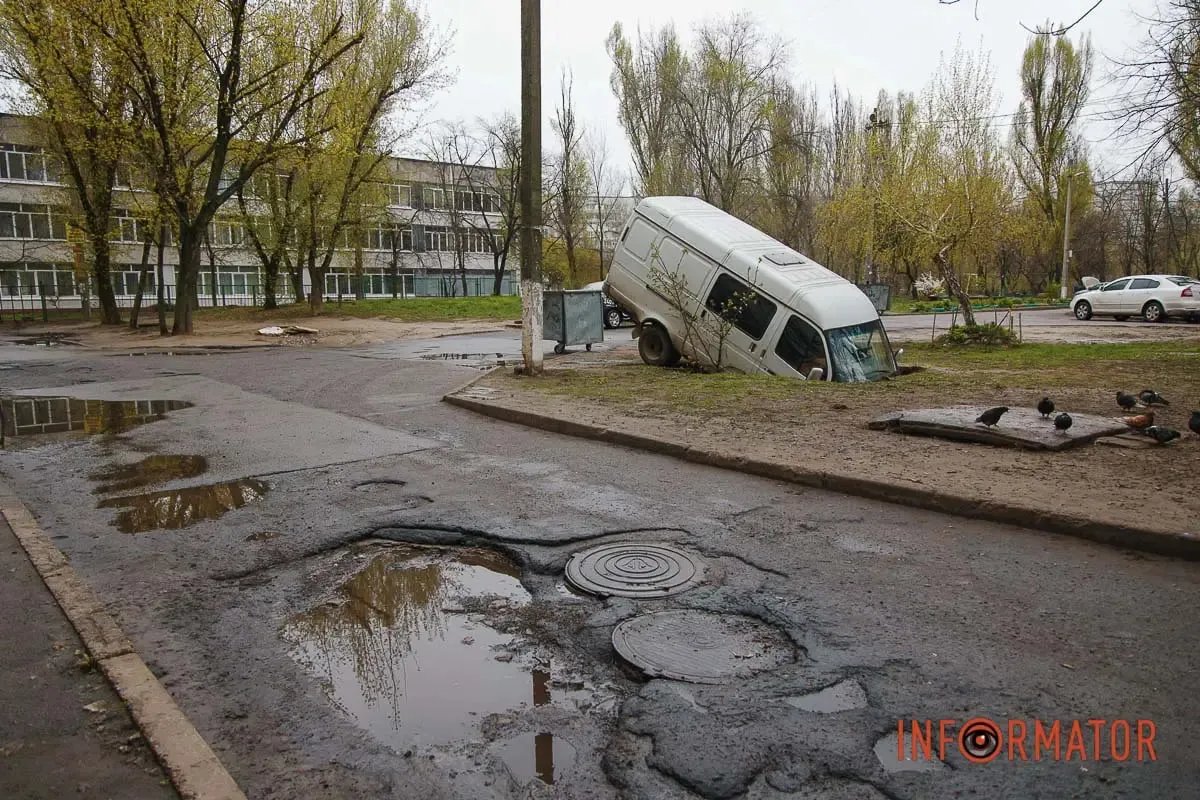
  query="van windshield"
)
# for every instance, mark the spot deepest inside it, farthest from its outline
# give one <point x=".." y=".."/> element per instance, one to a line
<point x="860" y="353"/>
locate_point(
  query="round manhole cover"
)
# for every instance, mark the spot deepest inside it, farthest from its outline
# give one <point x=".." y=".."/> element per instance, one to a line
<point x="701" y="647"/>
<point x="634" y="570"/>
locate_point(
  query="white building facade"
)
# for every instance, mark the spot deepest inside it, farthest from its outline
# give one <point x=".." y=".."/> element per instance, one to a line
<point x="413" y="249"/>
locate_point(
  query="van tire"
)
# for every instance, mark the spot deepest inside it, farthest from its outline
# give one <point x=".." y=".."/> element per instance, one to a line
<point x="655" y="347"/>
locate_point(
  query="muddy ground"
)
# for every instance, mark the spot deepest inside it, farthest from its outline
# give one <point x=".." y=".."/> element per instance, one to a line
<point x="1127" y="481"/>
<point x="255" y="590"/>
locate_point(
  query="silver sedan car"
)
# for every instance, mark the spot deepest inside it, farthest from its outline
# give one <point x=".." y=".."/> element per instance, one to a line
<point x="1151" y="297"/>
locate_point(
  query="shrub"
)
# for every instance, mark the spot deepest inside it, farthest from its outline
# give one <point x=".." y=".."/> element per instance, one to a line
<point x="929" y="285"/>
<point x="989" y="334"/>
<point x="1052" y="291"/>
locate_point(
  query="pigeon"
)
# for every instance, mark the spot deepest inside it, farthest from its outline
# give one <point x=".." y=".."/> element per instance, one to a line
<point x="1045" y="407"/>
<point x="1160" y="434"/>
<point x="1194" y="422"/>
<point x="1063" y="421"/>
<point x="1126" y="401"/>
<point x="1141" y="422"/>
<point x="1150" y="397"/>
<point x="992" y="416"/>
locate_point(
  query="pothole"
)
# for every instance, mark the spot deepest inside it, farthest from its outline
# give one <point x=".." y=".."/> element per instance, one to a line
<point x="179" y="508"/>
<point x="399" y="650"/>
<point x="149" y="471"/>
<point x="45" y="340"/>
<point x="537" y="756"/>
<point x="885" y="751"/>
<point x="634" y="570"/>
<point x="381" y="483"/>
<point x="700" y="646"/>
<point x="31" y="417"/>
<point x="843" y="696"/>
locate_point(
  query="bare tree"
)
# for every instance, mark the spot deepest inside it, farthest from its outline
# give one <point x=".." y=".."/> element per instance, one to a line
<point x="604" y="200"/>
<point x="568" y="190"/>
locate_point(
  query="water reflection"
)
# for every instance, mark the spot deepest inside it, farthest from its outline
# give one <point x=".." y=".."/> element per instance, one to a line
<point x="147" y="472"/>
<point x="179" y="508"/>
<point x="394" y="656"/>
<point x="537" y="755"/>
<point x="22" y="416"/>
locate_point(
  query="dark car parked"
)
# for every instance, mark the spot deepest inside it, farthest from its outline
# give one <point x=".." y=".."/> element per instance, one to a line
<point x="614" y="315"/>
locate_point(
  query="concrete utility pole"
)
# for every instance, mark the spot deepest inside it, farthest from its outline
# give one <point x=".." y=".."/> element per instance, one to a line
<point x="531" y="185"/>
<point x="1062" y="286"/>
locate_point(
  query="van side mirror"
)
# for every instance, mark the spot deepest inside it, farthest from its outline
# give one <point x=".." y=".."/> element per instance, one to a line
<point x="898" y="353"/>
<point x="816" y="374"/>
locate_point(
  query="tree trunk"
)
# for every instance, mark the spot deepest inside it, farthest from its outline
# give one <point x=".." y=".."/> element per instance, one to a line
<point x="141" y="287"/>
<point x="498" y="264"/>
<point x="316" y="295"/>
<point x="271" y="274"/>
<point x="162" y="287"/>
<point x="187" y="272"/>
<point x="953" y="285"/>
<point x="359" y="294"/>
<point x="395" y="265"/>
<point x="101" y="261"/>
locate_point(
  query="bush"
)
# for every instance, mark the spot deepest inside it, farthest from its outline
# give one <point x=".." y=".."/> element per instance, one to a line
<point x="989" y="334"/>
<point x="1052" y="291"/>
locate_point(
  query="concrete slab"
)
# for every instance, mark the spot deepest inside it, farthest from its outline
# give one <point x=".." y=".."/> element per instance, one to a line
<point x="1020" y="427"/>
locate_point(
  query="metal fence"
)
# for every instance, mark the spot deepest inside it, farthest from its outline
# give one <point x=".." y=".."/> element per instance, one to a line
<point x="44" y="303"/>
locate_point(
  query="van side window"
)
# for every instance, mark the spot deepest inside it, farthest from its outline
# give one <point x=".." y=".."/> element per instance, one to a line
<point x="638" y="239"/>
<point x="801" y="347"/>
<point x="749" y="311"/>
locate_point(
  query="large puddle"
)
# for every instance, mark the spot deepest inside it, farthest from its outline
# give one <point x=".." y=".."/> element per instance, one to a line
<point x="31" y="418"/>
<point x="179" y="508"/>
<point x="398" y="651"/>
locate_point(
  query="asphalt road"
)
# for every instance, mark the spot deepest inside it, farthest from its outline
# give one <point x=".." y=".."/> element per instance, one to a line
<point x="276" y="634"/>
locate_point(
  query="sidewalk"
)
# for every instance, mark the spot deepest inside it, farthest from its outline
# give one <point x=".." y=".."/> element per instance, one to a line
<point x="51" y="747"/>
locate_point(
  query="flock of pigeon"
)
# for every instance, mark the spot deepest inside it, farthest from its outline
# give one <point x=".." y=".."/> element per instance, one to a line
<point x="1142" y="423"/>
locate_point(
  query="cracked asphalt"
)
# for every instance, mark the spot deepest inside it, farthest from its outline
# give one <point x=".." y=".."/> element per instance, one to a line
<point x="933" y="617"/>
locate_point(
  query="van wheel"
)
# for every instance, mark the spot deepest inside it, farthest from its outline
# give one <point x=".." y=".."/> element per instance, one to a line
<point x="655" y="348"/>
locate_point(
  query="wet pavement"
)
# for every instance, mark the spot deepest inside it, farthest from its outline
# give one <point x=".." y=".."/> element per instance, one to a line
<point x="322" y="647"/>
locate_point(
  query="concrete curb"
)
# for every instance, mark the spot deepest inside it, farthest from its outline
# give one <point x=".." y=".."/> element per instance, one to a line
<point x="474" y="380"/>
<point x="190" y="763"/>
<point x="1144" y="539"/>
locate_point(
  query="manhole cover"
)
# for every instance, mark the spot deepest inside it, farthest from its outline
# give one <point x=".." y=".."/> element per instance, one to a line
<point x="634" y="570"/>
<point x="701" y="647"/>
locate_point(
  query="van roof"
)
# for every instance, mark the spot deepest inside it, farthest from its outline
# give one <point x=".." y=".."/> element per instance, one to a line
<point x="744" y="250"/>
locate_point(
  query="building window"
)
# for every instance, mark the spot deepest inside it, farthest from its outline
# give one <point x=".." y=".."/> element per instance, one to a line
<point x="125" y="280"/>
<point x="127" y="228"/>
<point x="227" y="233"/>
<point x="231" y="281"/>
<point x="435" y="198"/>
<point x="24" y="163"/>
<point x="399" y="194"/>
<point x="437" y="239"/>
<point x="26" y="221"/>
<point x="56" y="280"/>
<point x="383" y="238"/>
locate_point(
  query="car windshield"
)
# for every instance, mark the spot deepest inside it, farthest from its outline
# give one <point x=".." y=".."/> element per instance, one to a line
<point x="860" y="353"/>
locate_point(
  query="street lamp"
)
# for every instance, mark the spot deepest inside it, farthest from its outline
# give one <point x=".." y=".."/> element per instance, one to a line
<point x="1062" y="286"/>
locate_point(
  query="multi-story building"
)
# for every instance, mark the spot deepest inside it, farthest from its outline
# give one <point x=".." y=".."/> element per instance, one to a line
<point x="412" y="249"/>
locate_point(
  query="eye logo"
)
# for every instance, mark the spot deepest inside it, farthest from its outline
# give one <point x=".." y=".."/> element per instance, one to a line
<point x="979" y="740"/>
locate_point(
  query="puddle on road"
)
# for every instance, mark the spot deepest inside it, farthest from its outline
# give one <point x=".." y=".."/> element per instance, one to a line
<point x="29" y="417"/>
<point x="397" y="653"/>
<point x="148" y="472"/>
<point x="885" y="751"/>
<point x="843" y="696"/>
<point x="463" y="357"/>
<point x="180" y="508"/>
<point x="45" y="340"/>
<point x="540" y="756"/>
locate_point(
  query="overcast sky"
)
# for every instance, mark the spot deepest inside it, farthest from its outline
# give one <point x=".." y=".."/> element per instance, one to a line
<point x="864" y="45"/>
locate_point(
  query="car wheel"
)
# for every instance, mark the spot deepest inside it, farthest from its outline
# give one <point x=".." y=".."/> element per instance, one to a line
<point x="1083" y="310"/>
<point x="655" y="347"/>
<point x="1121" y="317"/>
<point x="612" y="318"/>
<point x="1153" y="312"/>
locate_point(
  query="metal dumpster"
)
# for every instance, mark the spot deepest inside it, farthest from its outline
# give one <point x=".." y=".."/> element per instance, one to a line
<point x="573" y="317"/>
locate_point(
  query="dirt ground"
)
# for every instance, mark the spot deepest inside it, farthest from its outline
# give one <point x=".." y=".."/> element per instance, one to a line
<point x="825" y="427"/>
<point x="332" y="331"/>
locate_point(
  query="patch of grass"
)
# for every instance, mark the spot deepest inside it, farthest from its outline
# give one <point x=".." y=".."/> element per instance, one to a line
<point x="411" y="309"/>
<point x="952" y="375"/>
<point x="988" y="334"/>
